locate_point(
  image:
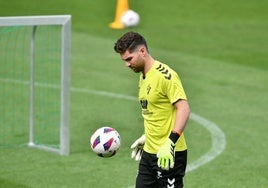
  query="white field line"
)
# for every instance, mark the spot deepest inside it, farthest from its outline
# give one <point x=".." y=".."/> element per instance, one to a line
<point x="218" y="142"/>
<point x="217" y="135"/>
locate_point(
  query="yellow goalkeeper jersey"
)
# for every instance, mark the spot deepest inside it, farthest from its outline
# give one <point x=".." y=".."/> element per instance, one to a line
<point x="160" y="88"/>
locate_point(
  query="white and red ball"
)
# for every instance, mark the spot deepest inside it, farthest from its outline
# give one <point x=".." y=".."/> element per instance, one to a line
<point x="105" y="141"/>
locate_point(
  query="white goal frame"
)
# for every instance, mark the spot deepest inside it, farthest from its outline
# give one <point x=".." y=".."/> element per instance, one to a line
<point x="65" y="22"/>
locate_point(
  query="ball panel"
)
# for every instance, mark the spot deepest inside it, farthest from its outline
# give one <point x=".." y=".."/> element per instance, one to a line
<point x="107" y="129"/>
<point x="96" y="142"/>
<point x="107" y="145"/>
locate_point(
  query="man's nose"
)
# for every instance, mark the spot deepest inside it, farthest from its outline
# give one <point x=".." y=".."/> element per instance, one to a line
<point x="127" y="64"/>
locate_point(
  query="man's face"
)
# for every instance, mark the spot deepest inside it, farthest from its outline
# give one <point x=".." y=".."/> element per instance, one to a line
<point x="134" y="60"/>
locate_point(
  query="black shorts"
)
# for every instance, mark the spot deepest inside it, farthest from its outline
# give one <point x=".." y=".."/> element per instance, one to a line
<point x="151" y="176"/>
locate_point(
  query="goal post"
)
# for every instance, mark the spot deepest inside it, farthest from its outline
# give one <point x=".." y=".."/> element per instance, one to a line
<point x="43" y="66"/>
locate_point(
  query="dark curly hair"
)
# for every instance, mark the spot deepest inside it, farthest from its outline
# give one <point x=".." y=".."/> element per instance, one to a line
<point x="129" y="41"/>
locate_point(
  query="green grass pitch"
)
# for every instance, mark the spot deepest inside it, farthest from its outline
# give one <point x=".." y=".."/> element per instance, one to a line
<point x="220" y="50"/>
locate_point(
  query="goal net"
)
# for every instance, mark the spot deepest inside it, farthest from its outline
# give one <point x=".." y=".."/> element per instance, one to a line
<point x="34" y="82"/>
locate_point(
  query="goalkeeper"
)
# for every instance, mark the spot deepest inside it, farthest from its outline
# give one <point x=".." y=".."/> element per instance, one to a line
<point x="162" y="149"/>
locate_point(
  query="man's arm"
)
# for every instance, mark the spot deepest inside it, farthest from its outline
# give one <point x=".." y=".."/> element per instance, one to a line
<point x="166" y="152"/>
<point x="182" y="116"/>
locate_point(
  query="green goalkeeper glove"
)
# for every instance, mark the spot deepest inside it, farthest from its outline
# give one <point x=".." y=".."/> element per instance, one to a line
<point x="137" y="148"/>
<point x="166" y="155"/>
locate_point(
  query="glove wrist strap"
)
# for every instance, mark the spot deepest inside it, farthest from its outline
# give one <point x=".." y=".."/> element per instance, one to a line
<point x="174" y="136"/>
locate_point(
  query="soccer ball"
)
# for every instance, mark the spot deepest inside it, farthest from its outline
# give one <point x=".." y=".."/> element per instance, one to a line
<point x="130" y="18"/>
<point x="105" y="142"/>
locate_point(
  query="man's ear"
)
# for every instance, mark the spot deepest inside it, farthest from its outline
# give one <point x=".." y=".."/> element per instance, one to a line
<point x="142" y="50"/>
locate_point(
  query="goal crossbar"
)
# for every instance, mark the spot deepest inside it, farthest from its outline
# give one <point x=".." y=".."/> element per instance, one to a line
<point x="35" y="20"/>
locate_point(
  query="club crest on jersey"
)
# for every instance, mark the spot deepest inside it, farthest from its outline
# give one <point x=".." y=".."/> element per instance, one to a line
<point x="148" y="89"/>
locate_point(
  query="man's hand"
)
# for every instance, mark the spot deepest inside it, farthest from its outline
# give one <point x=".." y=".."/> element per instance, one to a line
<point x="137" y="148"/>
<point x="166" y="155"/>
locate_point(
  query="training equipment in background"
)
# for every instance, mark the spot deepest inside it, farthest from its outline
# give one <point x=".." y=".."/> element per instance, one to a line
<point x="130" y="18"/>
<point x="35" y="82"/>
<point x="105" y="141"/>
<point x="121" y="7"/>
<point x="124" y="17"/>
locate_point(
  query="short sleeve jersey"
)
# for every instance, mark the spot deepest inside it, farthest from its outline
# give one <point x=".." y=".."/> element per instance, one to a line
<point x="158" y="91"/>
